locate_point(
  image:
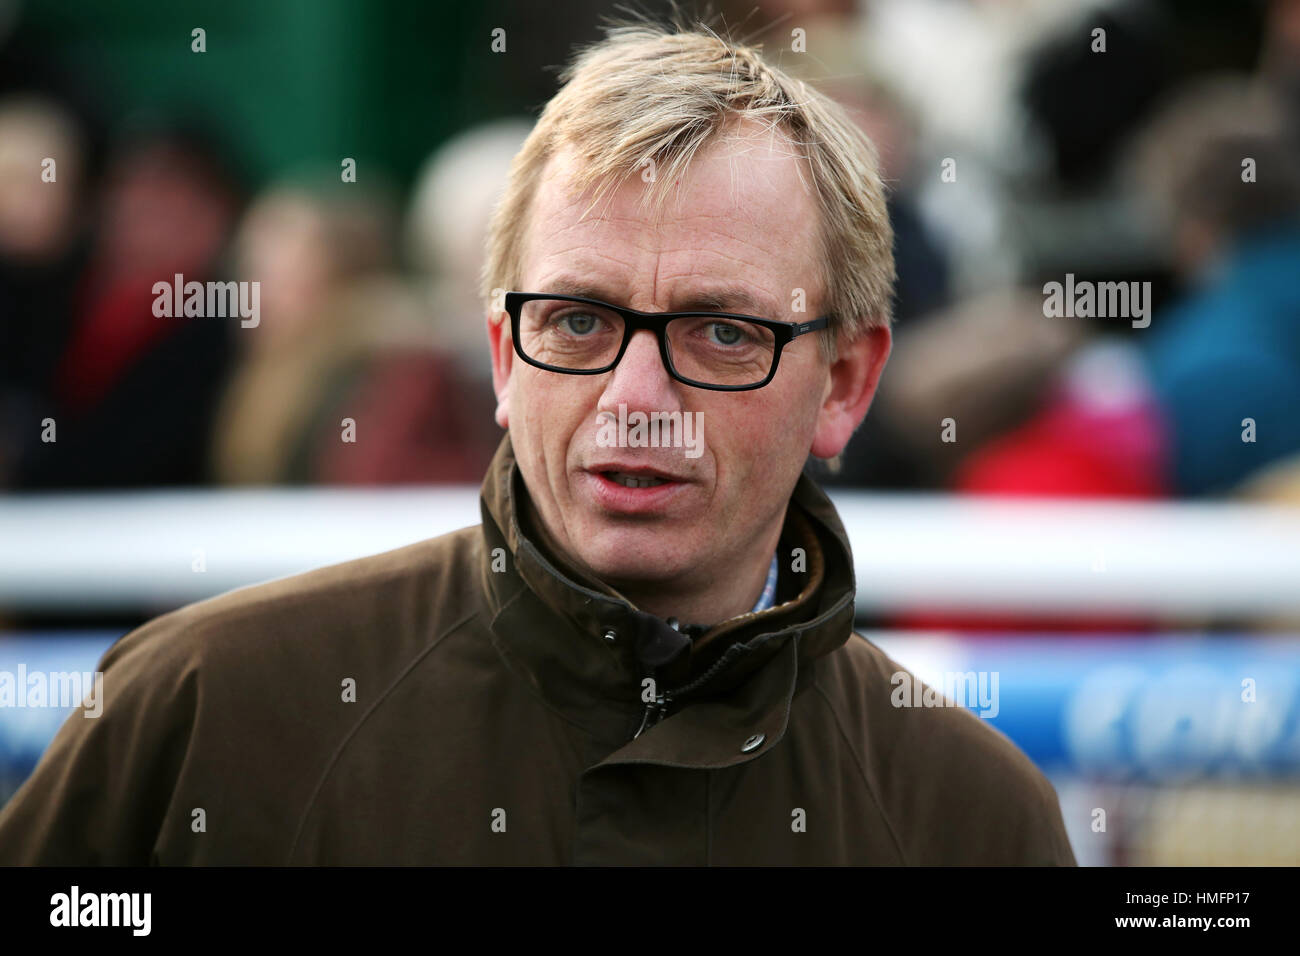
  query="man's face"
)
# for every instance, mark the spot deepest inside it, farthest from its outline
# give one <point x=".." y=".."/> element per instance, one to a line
<point x="741" y="236"/>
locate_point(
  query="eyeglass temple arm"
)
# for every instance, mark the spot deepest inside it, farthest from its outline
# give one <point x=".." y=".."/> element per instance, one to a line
<point x="811" y="326"/>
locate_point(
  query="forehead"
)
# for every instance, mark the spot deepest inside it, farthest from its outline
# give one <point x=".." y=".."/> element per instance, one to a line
<point x="738" y="230"/>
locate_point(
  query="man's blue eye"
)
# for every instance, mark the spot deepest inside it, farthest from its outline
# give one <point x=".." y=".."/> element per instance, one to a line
<point x="724" y="333"/>
<point x="577" y="323"/>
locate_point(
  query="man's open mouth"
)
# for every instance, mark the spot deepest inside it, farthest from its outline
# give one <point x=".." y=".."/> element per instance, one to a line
<point x="634" y="481"/>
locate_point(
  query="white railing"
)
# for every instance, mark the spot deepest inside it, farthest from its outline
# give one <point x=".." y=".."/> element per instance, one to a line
<point x="107" y="551"/>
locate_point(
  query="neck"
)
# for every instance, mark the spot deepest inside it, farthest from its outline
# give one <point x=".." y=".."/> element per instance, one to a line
<point x="707" y="596"/>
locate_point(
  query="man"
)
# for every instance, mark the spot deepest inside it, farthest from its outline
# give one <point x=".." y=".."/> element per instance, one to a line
<point x="644" y="654"/>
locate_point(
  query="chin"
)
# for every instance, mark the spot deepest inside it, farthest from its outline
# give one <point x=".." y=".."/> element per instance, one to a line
<point x="635" y="554"/>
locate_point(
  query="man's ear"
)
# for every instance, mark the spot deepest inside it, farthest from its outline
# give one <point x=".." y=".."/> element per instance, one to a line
<point x="854" y="376"/>
<point x="503" y="358"/>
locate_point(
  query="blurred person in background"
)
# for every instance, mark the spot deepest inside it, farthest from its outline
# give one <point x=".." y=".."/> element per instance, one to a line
<point x="446" y="226"/>
<point x="42" y="252"/>
<point x="985" y="364"/>
<point x="1094" y="433"/>
<point x="877" y="455"/>
<point x="958" y="65"/>
<point x="346" y="380"/>
<point x="421" y="416"/>
<point x="130" y="392"/>
<point x="1220" y="165"/>
<point x="303" y="240"/>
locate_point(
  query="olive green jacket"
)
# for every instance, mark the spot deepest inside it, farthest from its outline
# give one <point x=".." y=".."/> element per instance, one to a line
<point x="471" y="699"/>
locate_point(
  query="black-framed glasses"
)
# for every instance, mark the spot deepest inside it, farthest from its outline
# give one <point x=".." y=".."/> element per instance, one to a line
<point x="716" y="350"/>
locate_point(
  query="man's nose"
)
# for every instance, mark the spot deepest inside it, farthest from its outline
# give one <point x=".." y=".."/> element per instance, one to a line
<point x="640" y="379"/>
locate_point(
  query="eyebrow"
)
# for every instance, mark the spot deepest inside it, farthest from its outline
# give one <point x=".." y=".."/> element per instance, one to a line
<point x="729" y="299"/>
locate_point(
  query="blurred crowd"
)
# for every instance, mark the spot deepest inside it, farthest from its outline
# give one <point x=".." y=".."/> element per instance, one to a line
<point x="367" y="362"/>
<point x="1134" y="142"/>
<point x="1024" y="141"/>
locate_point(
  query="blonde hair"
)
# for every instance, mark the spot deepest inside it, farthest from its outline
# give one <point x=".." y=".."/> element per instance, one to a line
<point x="659" y="93"/>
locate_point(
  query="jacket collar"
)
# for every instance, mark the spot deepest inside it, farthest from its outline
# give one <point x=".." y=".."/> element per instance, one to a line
<point x="586" y="649"/>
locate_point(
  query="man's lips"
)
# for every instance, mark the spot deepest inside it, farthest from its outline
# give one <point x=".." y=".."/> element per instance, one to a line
<point x="629" y="488"/>
<point x="629" y="472"/>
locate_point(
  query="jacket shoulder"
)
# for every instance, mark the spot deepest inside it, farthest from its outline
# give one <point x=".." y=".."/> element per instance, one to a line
<point x="955" y="789"/>
<point x="406" y="594"/>
<point x="202" y="704"/>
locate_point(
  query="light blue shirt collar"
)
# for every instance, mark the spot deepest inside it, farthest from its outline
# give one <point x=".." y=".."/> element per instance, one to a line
<point x="768" y="598"/>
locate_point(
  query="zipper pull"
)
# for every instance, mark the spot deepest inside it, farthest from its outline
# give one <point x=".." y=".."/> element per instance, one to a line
<point x="659" y="707"/>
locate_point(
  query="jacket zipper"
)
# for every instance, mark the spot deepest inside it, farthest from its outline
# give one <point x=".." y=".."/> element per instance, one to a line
<point x="658" y="708"/>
